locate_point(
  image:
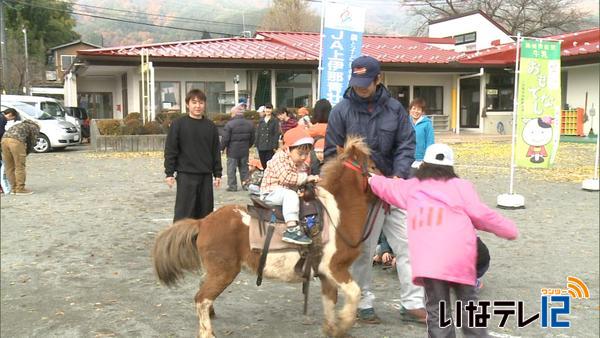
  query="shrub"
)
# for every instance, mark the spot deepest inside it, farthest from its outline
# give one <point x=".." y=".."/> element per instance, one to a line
<point x="152" y="128"/>
<point x="133" y="116"/>
<point x="131" y="127"/>
<point x="166" y="118"/>
<point x="108" y="127"/>
<point x="221" y="119"/>
<point x="252" y="115"/>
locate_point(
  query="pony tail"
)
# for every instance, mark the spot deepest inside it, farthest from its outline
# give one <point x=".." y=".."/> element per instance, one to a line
<point x="175" y="251"/>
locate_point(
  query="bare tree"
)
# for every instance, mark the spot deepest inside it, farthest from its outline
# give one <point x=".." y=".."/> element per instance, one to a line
<point x="291" y="15"/>
<point x="529" y="17"/>
<point x="15" y="70"/>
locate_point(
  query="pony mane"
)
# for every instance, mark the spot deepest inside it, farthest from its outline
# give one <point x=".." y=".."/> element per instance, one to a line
<point x="355" y="147"/>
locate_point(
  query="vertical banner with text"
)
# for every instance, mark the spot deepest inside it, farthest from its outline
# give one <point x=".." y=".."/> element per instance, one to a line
<point x="342" y="43"/>
<point x="539" y="95"/>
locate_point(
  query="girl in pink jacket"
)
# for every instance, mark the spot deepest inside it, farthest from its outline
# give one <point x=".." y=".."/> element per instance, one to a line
<point x="444" y="213"/>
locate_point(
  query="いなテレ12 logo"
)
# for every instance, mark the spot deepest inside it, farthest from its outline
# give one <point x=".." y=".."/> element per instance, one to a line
<point x="556" y="302"/>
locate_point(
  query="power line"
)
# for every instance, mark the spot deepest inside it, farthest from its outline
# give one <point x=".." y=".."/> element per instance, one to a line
<point x="119" y="20"/>
<point x="187" y="19"/>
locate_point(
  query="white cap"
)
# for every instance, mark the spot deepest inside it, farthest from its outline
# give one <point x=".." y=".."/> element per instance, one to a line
<point x="439" y="154"/>
<point x="261" y="109"/>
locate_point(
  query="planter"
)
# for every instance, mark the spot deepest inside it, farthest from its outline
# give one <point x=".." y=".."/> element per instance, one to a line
<point x="124" y="143"/>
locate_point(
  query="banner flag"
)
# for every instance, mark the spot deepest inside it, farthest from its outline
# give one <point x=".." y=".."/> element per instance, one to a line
<point x="342" y="43"/>
<point x="538" y="108"/>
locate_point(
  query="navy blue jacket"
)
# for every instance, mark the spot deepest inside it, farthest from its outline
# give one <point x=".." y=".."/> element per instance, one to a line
<point x="238" y="137"/>
<point x="382" y="121"/>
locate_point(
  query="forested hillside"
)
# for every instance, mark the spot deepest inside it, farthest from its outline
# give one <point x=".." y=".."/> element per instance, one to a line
<point x="186" y="20"/>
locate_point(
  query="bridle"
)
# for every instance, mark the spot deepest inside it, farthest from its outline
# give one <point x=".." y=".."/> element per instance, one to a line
<point x="361" y="168"/>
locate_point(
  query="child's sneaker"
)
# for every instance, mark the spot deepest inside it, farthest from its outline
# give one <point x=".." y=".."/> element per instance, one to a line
<point x="296" y="235"/>
<point x="479" y="284"/>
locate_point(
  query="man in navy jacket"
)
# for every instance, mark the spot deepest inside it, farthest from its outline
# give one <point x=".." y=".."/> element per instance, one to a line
<point x="368" y="110"/>
<point x="238" y="137"/>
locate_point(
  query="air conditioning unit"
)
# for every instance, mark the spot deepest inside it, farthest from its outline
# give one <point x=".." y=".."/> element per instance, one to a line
<point x="51" y="75"/>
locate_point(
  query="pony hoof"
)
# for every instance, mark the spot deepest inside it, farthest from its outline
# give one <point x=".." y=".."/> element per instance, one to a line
<point x="212" y="314"/>
<point x="329" y="330"/>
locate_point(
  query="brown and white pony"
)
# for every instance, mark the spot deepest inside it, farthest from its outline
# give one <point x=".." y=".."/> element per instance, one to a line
<point x="219" y="246"/>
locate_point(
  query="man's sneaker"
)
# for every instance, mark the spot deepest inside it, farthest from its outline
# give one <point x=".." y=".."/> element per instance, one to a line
<point x="413" y="315"/>
<point x="296" y="235"/>
<point x="23" y="192"/>
<point x="367" y="316"/>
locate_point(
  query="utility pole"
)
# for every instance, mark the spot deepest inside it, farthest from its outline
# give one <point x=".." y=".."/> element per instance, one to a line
<point x="26" y="87"/>
<point x="2" y="47"/>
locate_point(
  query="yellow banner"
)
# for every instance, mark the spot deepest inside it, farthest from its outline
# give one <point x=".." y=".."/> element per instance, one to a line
<point x="538" y="108"/>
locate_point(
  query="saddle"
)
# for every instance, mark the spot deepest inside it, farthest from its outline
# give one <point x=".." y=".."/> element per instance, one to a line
<point x="267" y="227"/>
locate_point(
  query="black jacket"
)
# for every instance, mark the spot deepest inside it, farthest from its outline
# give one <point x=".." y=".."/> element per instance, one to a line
<point x="382" y="121"/>
<point x="192" y="147"/>
<point x="267" y="134"/>
<point x="238" y="137"/>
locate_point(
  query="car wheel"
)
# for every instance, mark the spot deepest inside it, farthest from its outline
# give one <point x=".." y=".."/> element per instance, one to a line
<point x="42" y="145"/>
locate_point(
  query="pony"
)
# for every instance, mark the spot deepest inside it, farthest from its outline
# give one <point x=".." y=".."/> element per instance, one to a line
<point x="218" y="244"/>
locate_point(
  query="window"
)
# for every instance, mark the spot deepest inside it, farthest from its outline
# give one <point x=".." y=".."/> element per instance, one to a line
<point x="499" y="92"/>
<point x="66" y="61"/>
<point x="98" y="105"/>
<point x="293" y="89"/>
<point x="465" y="38"/>
<point x="433" y="96"/>
<point x="52" y="108"/>
<point x="213" y="89"/>
<point x="195" y="85"/>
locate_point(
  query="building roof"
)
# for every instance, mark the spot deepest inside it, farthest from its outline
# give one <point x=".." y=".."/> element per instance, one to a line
<point x="303" y="47"/>
<point x="577" y="44"/>
<point x="279" y="46"/>
<point x="387" y="49"/>
<point x="74" y="43"/>
<point x="226" y="48"/>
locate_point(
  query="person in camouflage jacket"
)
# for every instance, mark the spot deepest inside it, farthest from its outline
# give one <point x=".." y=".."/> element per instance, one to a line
<point x="18" y="141"/>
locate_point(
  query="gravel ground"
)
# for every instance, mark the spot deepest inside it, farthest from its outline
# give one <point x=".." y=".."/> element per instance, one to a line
<point x="76" y="259"/>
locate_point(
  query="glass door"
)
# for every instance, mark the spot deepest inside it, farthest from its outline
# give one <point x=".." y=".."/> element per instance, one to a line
<point x="469" y="103"/>
<point x="402" y="94"/>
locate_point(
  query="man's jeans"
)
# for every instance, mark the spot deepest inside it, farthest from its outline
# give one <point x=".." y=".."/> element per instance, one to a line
<point x="234" y="164"/>
<point x="393" y="226"/>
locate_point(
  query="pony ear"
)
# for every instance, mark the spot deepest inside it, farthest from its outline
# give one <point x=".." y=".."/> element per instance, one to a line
<point x="340" y="150"/>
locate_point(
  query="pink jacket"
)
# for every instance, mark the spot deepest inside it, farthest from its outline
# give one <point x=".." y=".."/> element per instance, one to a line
<point x="442" y="220"/>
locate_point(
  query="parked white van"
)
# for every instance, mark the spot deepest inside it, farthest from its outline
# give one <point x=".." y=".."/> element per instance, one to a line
<point x="53" y="133"/>
<point x="46" y="104"/>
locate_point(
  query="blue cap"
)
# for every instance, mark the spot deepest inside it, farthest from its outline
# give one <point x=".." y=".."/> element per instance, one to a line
<point x="364" y="70"/>
<point x="243" y="100"/>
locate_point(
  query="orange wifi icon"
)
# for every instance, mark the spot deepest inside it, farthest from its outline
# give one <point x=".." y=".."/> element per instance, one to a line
<point x="577" y="288"/>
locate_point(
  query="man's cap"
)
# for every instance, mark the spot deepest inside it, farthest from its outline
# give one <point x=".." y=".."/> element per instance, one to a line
<point x="261" y="109"/>
<point x="296" y="137"/>
<point x="320" y="145"/>
<point x="440" y="154"/>
<point x="302" y="111"/>
<point x="239" y="109"/>
<point x="364" y="70"/>
<point x="243" y="100"/>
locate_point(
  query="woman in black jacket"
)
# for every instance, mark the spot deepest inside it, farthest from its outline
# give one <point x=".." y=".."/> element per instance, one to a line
<point x="267" y="136"/>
